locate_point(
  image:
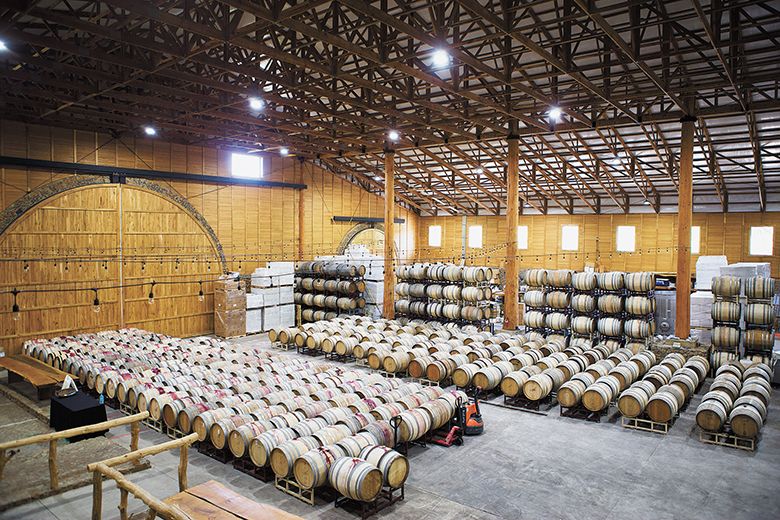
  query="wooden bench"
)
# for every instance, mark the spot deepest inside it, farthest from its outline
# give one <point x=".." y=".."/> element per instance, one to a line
<point x="42" y="376"/>
<point x="213" y="501"/>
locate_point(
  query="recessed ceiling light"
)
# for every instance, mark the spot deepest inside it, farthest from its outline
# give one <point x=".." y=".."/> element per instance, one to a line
<point x="150" y="130"/>
<point x="3" y="46"/>
<point x="284" y="151"/>
<point x="393" y="135"/>
<point x="440" y="58"/>
<point x="256" y="103"/>
<point x="555" y="113"/>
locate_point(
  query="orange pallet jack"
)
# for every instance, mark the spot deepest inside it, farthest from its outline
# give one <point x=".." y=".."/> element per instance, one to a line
<point x="467" y="421"/>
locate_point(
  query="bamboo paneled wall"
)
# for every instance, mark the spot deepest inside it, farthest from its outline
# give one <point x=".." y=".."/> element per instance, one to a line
<point x="254" y="226"/>
<point x="656" y="235"/>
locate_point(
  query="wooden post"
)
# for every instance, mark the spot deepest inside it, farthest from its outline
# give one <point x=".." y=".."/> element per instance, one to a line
<point x="97" y="495"/>
<point x="122" y="504"/>
<point x="53" y="477"/>
<point x="183" y="467"/>
<point x="2" y="463"/>
<point x="388" y="302"/>
<point x="301" y="223"/>
<point x="135" y="429"/>
<point x="682" y="322"/>
<point x="512" y="289"/>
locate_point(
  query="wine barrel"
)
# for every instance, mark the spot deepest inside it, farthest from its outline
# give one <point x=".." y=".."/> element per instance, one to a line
<point x="612" y="327"/>
<point x="414" y="424"/>
<point x="512" y="383"/>
<point x="758" y="339"/>
<point x="759" y="314"/>
<point x="355" y="478"/>
<point x="570" y="393"/>
<point x="583" y="324"/>
<point x="284" y="455"/>
<point x="583" y="281"/>
<point x="583" y="303"/>
<point x="728" y="286"/>
<point x="557" y="321"/>
<point x="535" y="299"/>
<point x="613" y="281"/>
<point x="632" y="402"/>
<point x="640" y="282"/>
<point x="640" y="305"/>
<point x="746" y="421"/>
<point x="536" y="277"/>
<point x="759" y="287"/>
<point x="537" y="387"/>
<point x="639" y="329"/>
<point x="725" y="337"/>
<point x="240" y="438"/>
<point x="311" y="468"/>
<point x="558" y="299"/>
<point x="725" y="311"/>
<point x="597" y="396"/>
<point x="610" y="303"/>
<point x="559" y="278"/>
<point x="393" y="465"/>
<point x="220" y="430"/>
<point x="711" y="415"/>
<point x="382" y="432"/>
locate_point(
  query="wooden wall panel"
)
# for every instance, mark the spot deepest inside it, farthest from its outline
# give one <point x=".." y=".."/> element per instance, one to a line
<point x="254" y="226"/>
<point x="656" y="235"/>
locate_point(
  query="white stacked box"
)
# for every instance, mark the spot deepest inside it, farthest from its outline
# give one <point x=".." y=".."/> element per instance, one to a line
<point x="701" y="309"/>
<point x="272" y="297"/>
<point x="708" y="267"/>
<point x="745" y="270"/>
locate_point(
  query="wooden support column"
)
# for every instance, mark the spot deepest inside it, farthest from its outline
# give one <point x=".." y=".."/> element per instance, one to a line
<point x="54" y="479"/>
<point x="682" y="323"/>
<point x="511" y="289"/>
<point x="301" y="218"/>
<point x="97" y="495"/>
<point x="183" y="459"/>
<point x="388" y="302"/>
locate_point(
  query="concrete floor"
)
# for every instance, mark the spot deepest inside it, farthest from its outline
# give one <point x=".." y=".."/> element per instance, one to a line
<point x="523" y="466"/>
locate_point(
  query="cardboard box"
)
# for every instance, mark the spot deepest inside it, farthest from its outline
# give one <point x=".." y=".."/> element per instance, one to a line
<point x="229" y="300"/>
<point x="230" y="284"/>
<point x="230" y="324"/>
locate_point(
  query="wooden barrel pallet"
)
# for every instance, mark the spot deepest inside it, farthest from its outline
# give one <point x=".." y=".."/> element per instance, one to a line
<point x="729" y="439"/>
<point x="583" y="414"/>
<point x="647" y="425"/>
<point x="386" y="498"/>
<point x="522" y="403"/>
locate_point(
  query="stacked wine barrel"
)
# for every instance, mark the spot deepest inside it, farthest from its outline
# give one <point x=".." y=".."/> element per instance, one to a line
<point x="445" y="292"/>
<point x="584" y="305"/>
<point x="324" y="290"/>
<point x="759" y="315"/>
<point x="726" y="314"/>
<point x="639" y="306"/>
<point x="663" y="391"/>
<point x="535" y="300"/>
<point x="737" y="401"/>
<point x="610" y="302"/>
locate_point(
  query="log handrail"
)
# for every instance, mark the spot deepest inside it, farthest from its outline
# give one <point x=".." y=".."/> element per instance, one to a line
<point x="53" y="437"/>
<point x="156" y="507"/>
<point x="163" y="510"/>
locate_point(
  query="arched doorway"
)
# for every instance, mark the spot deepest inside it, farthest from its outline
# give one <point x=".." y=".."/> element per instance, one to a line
<point x="368" y="237"/>
<point x="82" y="233"/>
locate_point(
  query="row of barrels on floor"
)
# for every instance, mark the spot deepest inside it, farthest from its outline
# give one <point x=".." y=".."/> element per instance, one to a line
<point x="587" y="303"/>
<point x="640" y="282"/>
<point x="665" y="388"/>
<point x="436" y="291"/>
<point x="445" y="272"/>
<point x="738" y="398"/>
<point x="756" y="288"/>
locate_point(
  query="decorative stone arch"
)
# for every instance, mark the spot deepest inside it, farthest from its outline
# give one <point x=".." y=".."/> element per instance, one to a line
<point x="32" y="199"/>
<point x="355" y="231"/>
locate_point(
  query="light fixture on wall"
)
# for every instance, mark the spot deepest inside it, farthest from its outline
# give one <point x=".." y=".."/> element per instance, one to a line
<point x="200" y="292"/>
<point x="15" y="307"/>
<point x="284" y="151"/>
<point x="151" y="293"/>
<point x="96" y="302"/>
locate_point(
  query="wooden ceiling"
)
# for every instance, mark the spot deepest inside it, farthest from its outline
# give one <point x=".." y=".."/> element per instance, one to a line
<point x="336" y="76"/>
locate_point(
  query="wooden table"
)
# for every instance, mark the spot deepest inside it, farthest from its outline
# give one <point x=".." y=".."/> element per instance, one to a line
<point x="42" y="376"/>
<point x="213" y="501"/>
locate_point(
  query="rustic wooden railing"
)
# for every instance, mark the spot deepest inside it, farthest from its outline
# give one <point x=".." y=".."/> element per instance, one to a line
<point x="104" y="468"/>
<point x="52" y="438"/>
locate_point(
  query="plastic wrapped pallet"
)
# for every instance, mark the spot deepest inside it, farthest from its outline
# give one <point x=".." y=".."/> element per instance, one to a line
<point x="254" y="301"/>
<point x="286" y="316"/>
<point x="271" y="318"/>
<point x="708" y="267"/>
<point x="701" y="309"/>
<point x="254" y="321"/>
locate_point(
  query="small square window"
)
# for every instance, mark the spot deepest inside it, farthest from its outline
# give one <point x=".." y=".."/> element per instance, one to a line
<point x="475" y="237"/>
<point x="762" y="240"/>
<point x="434" y="236"/>
<point x="522" y="237"/>
<point x="695" y="240"/>
<point x="246" y="166"/>
<point x="570" y="238"/>
<point x="626" y="239"/>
